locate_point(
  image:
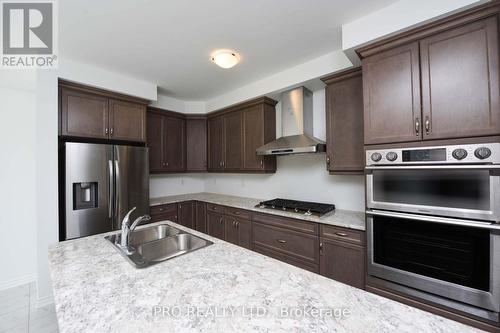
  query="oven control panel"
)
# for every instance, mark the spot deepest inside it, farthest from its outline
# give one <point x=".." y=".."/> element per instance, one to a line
<point x="485" y="153"/>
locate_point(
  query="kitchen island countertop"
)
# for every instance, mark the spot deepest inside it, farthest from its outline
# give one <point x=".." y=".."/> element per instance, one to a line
<point x="220" y="288"/>
<point x="338" y="217"/>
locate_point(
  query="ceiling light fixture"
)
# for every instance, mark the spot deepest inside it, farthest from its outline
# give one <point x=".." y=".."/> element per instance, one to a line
<point x="225" y="58"/>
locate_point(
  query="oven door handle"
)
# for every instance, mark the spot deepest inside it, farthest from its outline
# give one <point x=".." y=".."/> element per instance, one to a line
<point x="435" y="219"/>
<point x="436" y="167"/>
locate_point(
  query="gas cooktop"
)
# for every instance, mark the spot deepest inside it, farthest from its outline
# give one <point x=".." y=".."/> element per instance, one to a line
<point x="305" y="207"/>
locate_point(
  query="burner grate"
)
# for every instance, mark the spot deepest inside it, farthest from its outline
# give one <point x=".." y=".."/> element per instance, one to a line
<point x="298" y="206"/>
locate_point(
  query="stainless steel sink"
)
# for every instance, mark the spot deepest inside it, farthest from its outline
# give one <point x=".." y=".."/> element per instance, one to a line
<point x="158" y="243"/>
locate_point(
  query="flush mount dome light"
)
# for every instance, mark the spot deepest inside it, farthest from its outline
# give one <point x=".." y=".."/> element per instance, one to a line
<point x="225" y="58"/>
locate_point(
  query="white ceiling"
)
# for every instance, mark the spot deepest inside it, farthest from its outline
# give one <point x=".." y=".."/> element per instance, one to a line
<point x="169" y="42"/>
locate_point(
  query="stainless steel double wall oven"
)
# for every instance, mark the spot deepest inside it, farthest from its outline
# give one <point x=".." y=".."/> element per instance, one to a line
<point x="433" y="227"/>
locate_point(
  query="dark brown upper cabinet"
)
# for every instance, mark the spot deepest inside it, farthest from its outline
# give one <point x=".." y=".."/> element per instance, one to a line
<point x="391" y="91"/>
<point x="233" y="137"/>
<point x="259" y="123"/>
<point x="235" y="133"/>
<point x="460" y="81"/>
<point x="216" y="143"/>
<point x="439" y="81"/>
<point x="97" y="114"/>
<point x="166" y="141"/>
<point x="196" y="143"/>
<point x="128" y="119"/>
<point x="344" y="122"/>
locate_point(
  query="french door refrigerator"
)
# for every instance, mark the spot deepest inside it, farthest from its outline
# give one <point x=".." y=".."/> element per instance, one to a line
<point x="102" y="183"/>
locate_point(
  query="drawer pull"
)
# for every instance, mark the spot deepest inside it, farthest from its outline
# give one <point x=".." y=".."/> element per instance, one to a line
<point x="161" y="209"/>
<point x="282" y="241"/>
<point x="341" y="234"/>
<point x="220" y="221"/>
<point x="237" y="213"/>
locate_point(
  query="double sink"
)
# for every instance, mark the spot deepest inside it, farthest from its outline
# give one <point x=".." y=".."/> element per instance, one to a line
<point x="158" y="243"/>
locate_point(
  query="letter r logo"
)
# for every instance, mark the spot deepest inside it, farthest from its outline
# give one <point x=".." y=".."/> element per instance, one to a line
<point x="27" y="27"/>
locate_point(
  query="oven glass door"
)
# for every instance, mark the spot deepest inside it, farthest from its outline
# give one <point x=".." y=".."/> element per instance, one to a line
<point x="447" y="260"/>
<point x="465" y="193"/>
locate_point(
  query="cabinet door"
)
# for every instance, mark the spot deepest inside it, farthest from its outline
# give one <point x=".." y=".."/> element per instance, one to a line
<point x="215" y="143"/>
<point x="244" y="228"/>
<point x="233" y="135"/>
<point x="186" y="212"/>
<point x="84" y="115"/>
<point x="343" y="262"/>
<point x="460" y="81"/>
<point x="127" y="121"/>
<point x="344" y="124"/>
<point x="196" y="144"/>
<point x="155" y="141"/>
<point x="201" y="217"/>
<point x="231" y="232"/>
<point x="253" y="137"/>
<point x="391" y="92"/>
<point x="215" y="225"/>
<point x="174" y="144"/>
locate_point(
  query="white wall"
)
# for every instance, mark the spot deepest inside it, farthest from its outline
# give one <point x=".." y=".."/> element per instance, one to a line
<point x="17" y="178"/>
<point x="163" y="185"/>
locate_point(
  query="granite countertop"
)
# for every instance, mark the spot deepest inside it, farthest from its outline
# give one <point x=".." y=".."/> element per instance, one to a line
<point x="220" y="288"/>
<point x="341" y="218"/>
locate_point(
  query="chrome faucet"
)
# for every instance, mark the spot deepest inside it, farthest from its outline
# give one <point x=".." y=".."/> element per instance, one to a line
<point x="127" y="228"/>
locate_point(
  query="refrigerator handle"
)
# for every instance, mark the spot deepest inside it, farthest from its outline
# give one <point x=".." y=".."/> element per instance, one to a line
<point x="111" y="189"/>
<point x="118" y="189"/>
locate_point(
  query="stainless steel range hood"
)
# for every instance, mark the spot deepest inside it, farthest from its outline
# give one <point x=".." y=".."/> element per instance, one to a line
<point x="297" y="126"/>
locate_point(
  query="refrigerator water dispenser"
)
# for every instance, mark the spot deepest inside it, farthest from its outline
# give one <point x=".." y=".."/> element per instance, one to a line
<point x="84" y="195"/>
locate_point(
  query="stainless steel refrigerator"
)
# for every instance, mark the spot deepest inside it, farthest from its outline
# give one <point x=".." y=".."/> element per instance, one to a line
<point x="102" y="183"/>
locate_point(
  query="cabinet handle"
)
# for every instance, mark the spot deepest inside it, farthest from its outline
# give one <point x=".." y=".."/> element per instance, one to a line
<point x="417" y="126"/>
<point x="223" y="163"/>
<point x="166" y="164"/>
<point x="261" y="162"/>
<point x="282" y="241"/>
<point x="321" y="248"/>
<point x="237" y="213"/>
<point x="341" y="234"/>
<point x="234" y="224"/>
<point x="111" y="131"/>
<point x="427" y="125"/>
<point x="220" y="221"/>
<point x="237" y="224"/>
<point x="328" y="160"/>
<point x="106" y="131"/>
<point x="161" y="209"/>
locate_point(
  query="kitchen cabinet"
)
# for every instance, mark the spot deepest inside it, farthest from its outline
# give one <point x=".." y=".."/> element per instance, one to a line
<point x="391" y="92"/>
<point x="166" y="141"/>
<point x="163" y="212"/>
<point x="238" y="231"/>
<point x="215" y="225"/>
<point x="462" y="65"/>
<point x="201" y="216"/>
<point x="186" y="214"/>
<point x="235" y="133"/>
<point x="216" y="143"/>
<point x="196" y="143"/>
<point x="259" y="128"/>
<point x="344" y="122"/>
<point x="91" y="113"/>
<point x="439" y="81"/>
<point x="342" y="255"/>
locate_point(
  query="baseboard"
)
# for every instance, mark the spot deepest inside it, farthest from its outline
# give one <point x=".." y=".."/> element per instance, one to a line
<point x="18" y="281"/>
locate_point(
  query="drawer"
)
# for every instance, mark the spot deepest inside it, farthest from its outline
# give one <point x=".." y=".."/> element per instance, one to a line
<point x="163" y="209"/>
<point x="215" y="208"/>
<point x="289" y="260"/>
<point x="293" y="224"/>
<point x="294" y="244"/>
<point x="236" y="212"/>
<point x="342" y="234"/>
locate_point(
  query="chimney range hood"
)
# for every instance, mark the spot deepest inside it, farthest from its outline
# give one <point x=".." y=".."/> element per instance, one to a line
<point x="297" y="126"/>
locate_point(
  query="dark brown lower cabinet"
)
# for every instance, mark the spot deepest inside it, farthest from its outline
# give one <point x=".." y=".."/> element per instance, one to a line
<point x="186" y="213"/>
<point x="238" y="231"/>
<point x="163" y="212"/>
<point x="342" y="255"/>
<point x="201" y="216"/>
<point x="215" y="225"/>
<point x="343" y="262"/>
